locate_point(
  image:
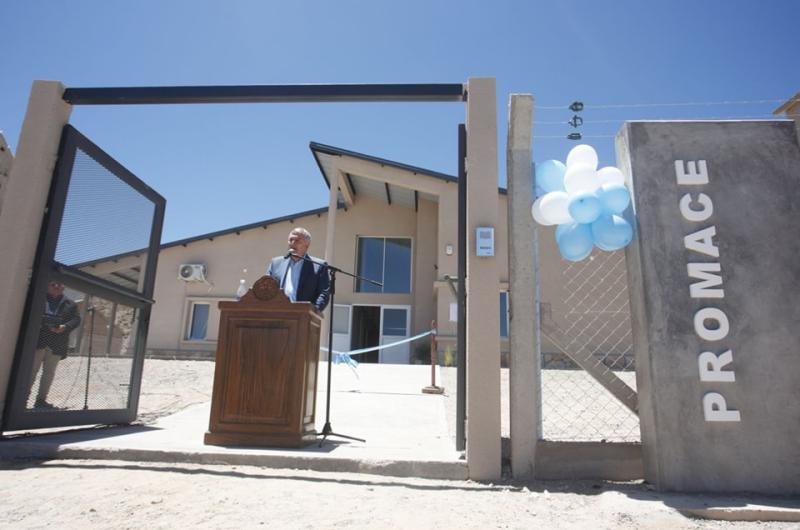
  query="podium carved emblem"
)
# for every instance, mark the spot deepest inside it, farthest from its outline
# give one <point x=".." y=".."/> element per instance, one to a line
<point x="266" y="288"/>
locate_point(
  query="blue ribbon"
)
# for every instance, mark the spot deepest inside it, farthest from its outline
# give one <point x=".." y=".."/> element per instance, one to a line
<point x="344" y="358"/>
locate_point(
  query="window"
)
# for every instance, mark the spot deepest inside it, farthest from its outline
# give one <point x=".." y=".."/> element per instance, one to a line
<point x="341" y="319"/>
<point x="198" y="323"/>
<point x="503" y="313"/>
<point x="386" y="260"/>
<point x="394" y="322"/>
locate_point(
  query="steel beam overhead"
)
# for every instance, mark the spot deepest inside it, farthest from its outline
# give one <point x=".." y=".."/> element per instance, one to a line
<point x="265" y="94"/>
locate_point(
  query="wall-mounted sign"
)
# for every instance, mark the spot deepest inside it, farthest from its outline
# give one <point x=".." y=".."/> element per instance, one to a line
<point x="714" y="281"/>
<point x="484" y="241"/>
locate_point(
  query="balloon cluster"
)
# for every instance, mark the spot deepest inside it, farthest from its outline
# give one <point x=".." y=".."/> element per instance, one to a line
<point x="585" y="203"/>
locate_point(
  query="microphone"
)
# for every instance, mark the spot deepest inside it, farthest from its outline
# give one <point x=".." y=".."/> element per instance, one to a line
<point x="289" y="254"/>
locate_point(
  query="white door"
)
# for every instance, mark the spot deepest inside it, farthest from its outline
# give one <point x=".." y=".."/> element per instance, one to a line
<point x="341" y="327"/>
<point x="394" y="327"/>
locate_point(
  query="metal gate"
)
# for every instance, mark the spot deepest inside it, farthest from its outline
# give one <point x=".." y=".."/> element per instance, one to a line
<point x="81" y="346"/>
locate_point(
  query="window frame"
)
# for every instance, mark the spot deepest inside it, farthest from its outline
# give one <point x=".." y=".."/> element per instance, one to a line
<point x="499" y="302"/>
<point x="383" y="265"/>
<point x="189" y="306"/>
<point x="187" y="332"/>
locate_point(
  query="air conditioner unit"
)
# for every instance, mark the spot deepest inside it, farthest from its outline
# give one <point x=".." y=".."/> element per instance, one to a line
<point x="192" y="272"/>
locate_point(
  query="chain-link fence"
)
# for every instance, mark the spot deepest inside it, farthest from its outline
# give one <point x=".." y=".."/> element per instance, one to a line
<point x="588" y="378"/>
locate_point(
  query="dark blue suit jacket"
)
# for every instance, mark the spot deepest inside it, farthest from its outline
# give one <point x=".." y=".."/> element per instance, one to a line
<point x="314" y="285"/>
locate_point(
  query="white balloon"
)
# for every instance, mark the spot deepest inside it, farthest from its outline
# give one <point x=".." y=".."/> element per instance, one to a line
<point x="554" y="208"/>
<point x="610" y="174"/>
<point x="536" y="212"/>
<point x="580" y="177"/>
<point x="582" y="154"/>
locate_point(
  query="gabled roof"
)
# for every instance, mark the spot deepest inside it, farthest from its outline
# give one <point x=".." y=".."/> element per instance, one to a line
<point x="377" y="184"/>
<point x="317" y="148"/>
<point x="794" y="101"/>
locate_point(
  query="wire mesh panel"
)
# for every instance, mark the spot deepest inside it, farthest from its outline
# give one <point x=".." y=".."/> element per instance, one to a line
<point x="84" y="355"/>
<point x="104" y="219"/>
<point x="588" y="378"/>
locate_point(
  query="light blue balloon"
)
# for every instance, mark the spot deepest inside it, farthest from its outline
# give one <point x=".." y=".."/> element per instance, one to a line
<point x="550" y="175"/>
<point x="575" y="241"/>
<point x="603" y="247"/>
<point x="611" y="232"/>
<point x="584" y="207"/>
<point x="560" y="229"/>
<point x="614" y="197"/>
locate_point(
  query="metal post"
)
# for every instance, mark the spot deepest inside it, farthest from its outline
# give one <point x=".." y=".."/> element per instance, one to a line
<point x="91" y="309"/>
<point x="461" y="331"/>
<point x="110" y="328"/>
<point x="433" y="389"/>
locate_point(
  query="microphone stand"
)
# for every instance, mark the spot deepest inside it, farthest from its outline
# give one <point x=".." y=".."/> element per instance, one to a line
<point x="91" y="310"/>
<point x="327" y="430"/>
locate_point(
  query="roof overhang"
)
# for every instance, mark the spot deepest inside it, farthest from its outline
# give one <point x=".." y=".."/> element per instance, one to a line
<point x="791" y="106"/>
<point x="360" y="175"/>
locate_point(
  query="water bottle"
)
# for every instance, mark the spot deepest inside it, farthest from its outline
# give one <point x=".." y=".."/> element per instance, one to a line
<point x="242" y="290"/>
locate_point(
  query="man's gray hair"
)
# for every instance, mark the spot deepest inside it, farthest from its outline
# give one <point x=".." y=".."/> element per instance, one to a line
<point x="302" y="231"/>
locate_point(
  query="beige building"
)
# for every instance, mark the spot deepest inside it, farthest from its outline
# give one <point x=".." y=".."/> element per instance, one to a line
<point x="395" y="223"/>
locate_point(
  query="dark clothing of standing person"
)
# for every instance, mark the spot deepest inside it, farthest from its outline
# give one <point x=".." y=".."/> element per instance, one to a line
<point x="60" y="318"/>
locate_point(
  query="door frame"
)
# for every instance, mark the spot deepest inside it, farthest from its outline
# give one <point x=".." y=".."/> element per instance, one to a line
<point x="349" y="325"/>
<point x="408" y="327"/>
<point x="408" y="309"/>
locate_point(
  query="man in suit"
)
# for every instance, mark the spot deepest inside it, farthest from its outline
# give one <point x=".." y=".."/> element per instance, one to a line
<point x="301" y="280"/>
<point x="60" y="318"/>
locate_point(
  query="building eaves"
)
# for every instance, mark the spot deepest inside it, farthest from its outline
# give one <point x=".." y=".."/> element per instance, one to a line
<point x="788" y="105"/>
<point x="210" y="236"/>
<point x="336" y="151"/>
<point x="242" y="228"/>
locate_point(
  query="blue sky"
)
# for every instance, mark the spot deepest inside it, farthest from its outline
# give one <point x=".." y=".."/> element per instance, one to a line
<point x="226" y="165"/>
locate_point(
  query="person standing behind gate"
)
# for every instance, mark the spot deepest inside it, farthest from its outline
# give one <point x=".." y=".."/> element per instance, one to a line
<point x="301" y="280"/>
<point x="60" y="318"/>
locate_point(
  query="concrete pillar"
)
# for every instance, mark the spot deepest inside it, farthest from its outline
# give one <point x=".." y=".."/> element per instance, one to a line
<point x="23" y="210"/>
<point x="330" y="234"/>
<point x="523" y="332"/>
<point x="483" y="286"/>
<point x="6" y="160"/>
<point x="330" y="227"/>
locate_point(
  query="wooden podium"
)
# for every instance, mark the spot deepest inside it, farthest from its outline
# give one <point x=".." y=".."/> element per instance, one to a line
<point x="265" y="379"/>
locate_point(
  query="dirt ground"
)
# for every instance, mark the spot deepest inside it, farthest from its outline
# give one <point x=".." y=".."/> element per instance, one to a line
<point x="116" y="494"/>
<point x="112" y="494"/>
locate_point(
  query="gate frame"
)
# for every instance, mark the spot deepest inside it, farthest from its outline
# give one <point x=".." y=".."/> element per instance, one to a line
<point x="46" y="268"/>
<point x="482" y="347"/>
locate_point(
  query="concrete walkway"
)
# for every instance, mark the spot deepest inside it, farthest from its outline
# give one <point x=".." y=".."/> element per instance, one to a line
<point x="406" y="432"/>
